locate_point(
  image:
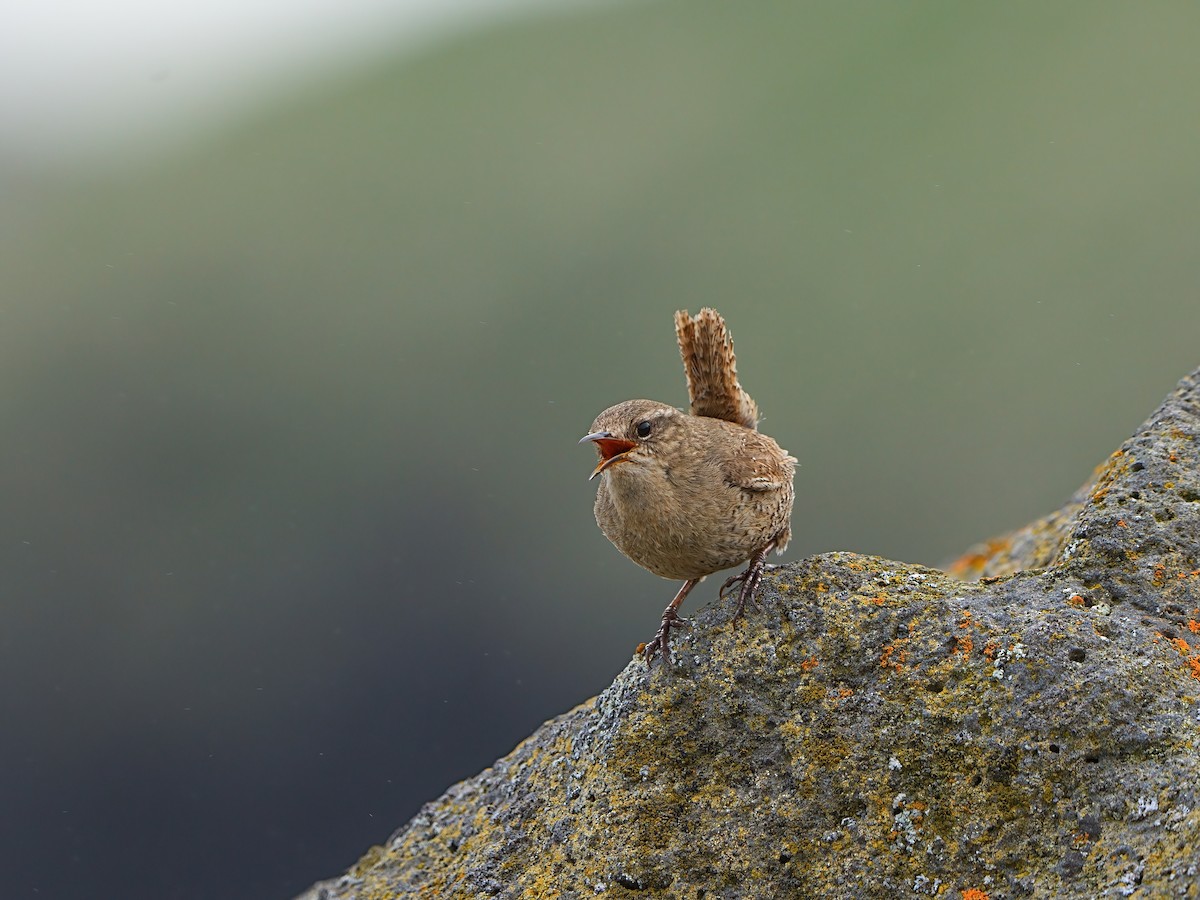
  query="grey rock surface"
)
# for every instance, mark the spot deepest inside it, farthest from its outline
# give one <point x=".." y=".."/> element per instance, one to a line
<point x="879" y="730"/>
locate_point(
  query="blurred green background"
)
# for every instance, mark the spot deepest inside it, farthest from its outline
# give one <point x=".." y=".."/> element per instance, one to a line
<point x="296" y="531"/>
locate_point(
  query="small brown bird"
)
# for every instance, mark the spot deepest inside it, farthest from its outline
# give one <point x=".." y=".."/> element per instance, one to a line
<point x="688" y="495"/>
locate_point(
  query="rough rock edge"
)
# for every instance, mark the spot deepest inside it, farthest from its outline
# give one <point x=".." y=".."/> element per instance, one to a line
<point x="881" y="729"/>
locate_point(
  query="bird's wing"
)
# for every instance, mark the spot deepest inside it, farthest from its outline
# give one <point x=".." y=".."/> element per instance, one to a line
<point x="707" y="351"/>
<point x="760" y="466"/>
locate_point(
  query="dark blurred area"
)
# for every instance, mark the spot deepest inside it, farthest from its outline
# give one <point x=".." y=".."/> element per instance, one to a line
<point x="296" y="531"/>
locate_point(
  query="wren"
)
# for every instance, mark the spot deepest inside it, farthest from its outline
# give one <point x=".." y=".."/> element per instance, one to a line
<point x="684" y="495"/>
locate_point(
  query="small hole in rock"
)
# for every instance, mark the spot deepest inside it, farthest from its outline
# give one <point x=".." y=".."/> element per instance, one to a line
<point x="1076" y="654"/>
<point x="1054" y="748"/>
<point x="934" y="687"/>
<point x="977" y="781"/>
<point x="1092" y="758"/>
<point x="785" y="857"/>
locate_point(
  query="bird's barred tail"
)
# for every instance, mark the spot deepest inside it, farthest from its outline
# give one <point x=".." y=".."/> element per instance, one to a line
<point x="707" y="351"/>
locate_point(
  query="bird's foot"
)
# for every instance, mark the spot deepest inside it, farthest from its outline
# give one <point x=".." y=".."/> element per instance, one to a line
<point x="661" y="641"/>
<point x="749" y="579"/>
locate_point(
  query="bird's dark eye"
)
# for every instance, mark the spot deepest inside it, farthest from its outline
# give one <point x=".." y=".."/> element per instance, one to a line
<point x="643" y="429"/>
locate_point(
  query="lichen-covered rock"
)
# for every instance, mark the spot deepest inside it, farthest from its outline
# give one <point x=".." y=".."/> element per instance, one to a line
<point x="879" y="730"/>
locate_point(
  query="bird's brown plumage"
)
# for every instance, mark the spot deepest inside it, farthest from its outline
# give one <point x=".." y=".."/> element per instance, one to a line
<point x="711" y="368"/>
<point x="688" y="495"/>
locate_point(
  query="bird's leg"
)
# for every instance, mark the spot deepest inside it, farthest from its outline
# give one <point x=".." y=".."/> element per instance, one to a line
<point x="749" y="578"/>
<point x="670" y="618"/>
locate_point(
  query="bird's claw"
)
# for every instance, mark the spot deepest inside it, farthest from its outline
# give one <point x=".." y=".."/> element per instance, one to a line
<point x="749" y="580"/>
<point x="730" y="582"/>
<point x="661" y="640"/>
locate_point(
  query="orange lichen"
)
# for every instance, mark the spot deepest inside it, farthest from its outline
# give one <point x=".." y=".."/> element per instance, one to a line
<point x="1121" y="523"/>
<point x="964" y="644"/>
<point x="1181" y="645"/>
<point x="1077" y="601"/>
<point x="886" y="658"/>
<point x="968" y="562"/>
<point x="1193" y="626"/>
<point x="1160" y="575"/>
<point x="998" y="545"/>
<point x="809" y="664"/>
<point x="880" y="599"/>
<point x="974" y="894"/>
<point x="1194" y="665"/>
<point x="975" y="560"/>
<point x="989" y="649"/>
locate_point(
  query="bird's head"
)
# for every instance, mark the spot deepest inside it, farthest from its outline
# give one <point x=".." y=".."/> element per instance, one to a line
<point x="634" y="432"/>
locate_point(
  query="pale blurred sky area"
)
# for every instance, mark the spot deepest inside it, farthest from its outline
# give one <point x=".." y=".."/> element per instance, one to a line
<point x="111" y="81"/>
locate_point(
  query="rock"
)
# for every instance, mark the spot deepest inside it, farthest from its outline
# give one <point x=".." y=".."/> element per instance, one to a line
<point x="879" y="730"/>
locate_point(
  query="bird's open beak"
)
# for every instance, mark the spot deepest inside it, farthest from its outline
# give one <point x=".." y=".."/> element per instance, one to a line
<point x="612" y="449"/>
